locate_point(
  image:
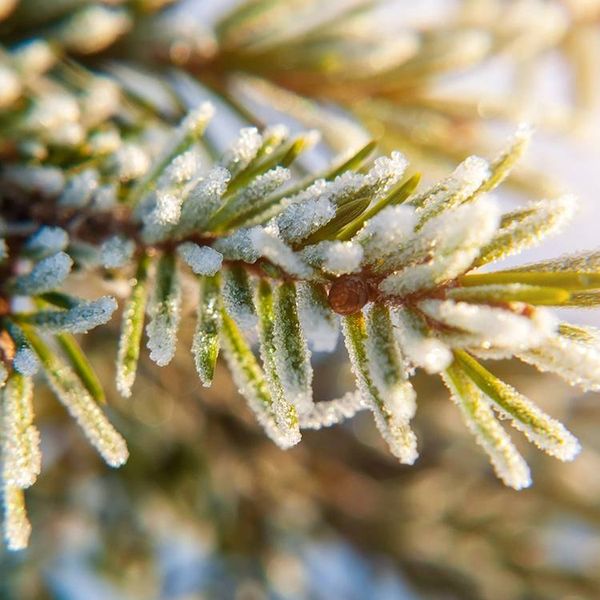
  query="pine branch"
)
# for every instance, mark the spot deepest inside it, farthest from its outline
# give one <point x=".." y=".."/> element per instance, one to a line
<point x="99" y="179"/>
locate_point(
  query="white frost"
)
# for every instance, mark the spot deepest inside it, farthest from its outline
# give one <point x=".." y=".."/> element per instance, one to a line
<point x="203" y="260"/>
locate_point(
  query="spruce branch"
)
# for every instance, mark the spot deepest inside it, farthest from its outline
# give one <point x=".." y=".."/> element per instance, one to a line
<point x="106" y="174"/>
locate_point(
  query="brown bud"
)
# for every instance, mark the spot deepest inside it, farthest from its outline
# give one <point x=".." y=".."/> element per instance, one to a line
<point x="348" y="294"/>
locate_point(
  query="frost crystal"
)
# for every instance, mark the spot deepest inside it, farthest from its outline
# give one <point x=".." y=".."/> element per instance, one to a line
<point x="238" y="246"/>
<point x="574" y="357"/>
<point x="168" y="208"/>
<point x="243" y="150"/>
<point x="251" y="383"/>
<point x="267" y="243"/>
<point x="203" y="200"/>
<point x="392" y="425"/>
<point x="386" y="232"/>
<point x="444" y="249"/>
<point x="77" y="400"/>
<point x="79" y="189"/>
<point x="202" y="259"/>
<point x="292" y="356"/>
<point x="252" y="196"/>
<point x="300" y="219"/>
<point x="21" y="455"/>
<point x="182" y="169"/>
<point x="332" y="412"/>
<point x="132" y="327"/>
<point x="385" y="172"/>
<point x="479" y="417"/>
<point x="196" y="120"/>
<point x="206" y="343"/>
<point x="492" y="326"/>
<point x="47" y="240"/>
<point x="237" y="297"/>
<point x="26" y="362"/>
<point x="17" y="528"/>
<point x="165" y="313"/>
<point x="80" y="319"/>
<point x="47" y="181"/>
<point x="116" y="252"/>
<point x="420" y="349"/>
<point x="335" y="257"/>
<point x="320" y="323"/>
<point x="46" y="275"/>
<point x="131" y="162"/>
<point x="524" y="228"/>
<point x="546" y="433"/>
<point x="454" y="190"/>
<point x="284" y="412"/>
<point x="386" y="365"/>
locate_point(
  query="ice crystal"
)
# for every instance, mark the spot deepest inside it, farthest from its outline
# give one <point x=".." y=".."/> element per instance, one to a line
<point x="47" y="240"/>
<point x="391" y="228"/>
<point x="79" y="189"/>
<point x="320" y="324"/>
<point x="46" y="275"/>
<point x="544" y="431"/>
<point x="165" y="312"/>
<point x="332" y="412"/>
<point x="492" y="326"/>
<point x="80" y="318"/>
<point x="335" y="257"/>
<point x="300" y="219"/>
<point x="17" y="528"/>
<point x="181" y="169"/>
<point x="445" y="248"/>
<point x="130" y="162"/>
<point x="243" y="150"/>
<point x="292" y="357"/>
<point x="77" y="400"/>
<point x="21" y="454"/>
<point x="479" y="417"/>
<point x="573" y="357"/>
<point x="132" y="325"/>
<point x="47" y="181"/>
<point x="267" y="243"/>
<point x="238" y="246"/>
<point x="206" y="342"/>
<point x="277" y="256"/>
<point x="253" y="196"/>
<point x="284" y="411"/>
<point x="421" y="350"/>
<point x="203" y="200"/>
<point x="25" y="361"/>
<point x="168" y="208"/>
<point x="116" y="251"/>
<point x="392" y="424"/>
<point x="237" y="297"/>
<point x="524" y="228"/>
<point x="203" y="260"/>
<point x="252" y="385"/>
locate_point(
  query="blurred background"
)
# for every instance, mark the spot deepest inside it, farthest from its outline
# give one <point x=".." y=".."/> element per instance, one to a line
<point x="208" y="507"/>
